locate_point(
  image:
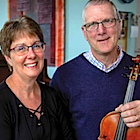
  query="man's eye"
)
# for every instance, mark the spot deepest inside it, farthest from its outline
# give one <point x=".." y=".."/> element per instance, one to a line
<point x="92" y="24"/>
<point x="108" y="20"/>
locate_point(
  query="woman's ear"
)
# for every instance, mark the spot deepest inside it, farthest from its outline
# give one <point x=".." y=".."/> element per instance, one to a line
<point x="8" y="59"/>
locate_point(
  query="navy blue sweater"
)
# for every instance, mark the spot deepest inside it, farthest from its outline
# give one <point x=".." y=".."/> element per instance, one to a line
<point x="90" y="93"/>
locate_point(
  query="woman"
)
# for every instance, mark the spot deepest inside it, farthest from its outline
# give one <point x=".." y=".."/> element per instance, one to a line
<point x="28" y="109"/>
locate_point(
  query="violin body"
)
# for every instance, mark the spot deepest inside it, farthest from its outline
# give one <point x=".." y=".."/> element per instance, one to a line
<point x="112" y="126"/>
<point x="108" y="127"/>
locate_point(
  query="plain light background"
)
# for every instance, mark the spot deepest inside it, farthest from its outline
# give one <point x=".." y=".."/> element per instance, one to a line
<point x="74" y="39"/>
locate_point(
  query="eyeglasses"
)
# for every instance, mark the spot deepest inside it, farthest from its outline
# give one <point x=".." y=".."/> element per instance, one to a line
<point x="23" y="49"/>
<point x="95" y="25"/>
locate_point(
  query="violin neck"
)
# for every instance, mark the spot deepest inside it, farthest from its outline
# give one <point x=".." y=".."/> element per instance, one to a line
<point x="129" y="92"/>
<point x="122" y="128"/>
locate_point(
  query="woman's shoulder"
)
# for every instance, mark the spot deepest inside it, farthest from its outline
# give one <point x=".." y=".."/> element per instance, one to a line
<point x="7" y="101"/>
<point x="45" y="87"/>
<point x="3" y="85"/>
<point x="48" y="91"/>
<point x="5" y="92"/>
<point x="50" y="97"/>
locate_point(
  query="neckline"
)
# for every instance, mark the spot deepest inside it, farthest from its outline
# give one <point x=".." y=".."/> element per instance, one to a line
<point x="20" y="104"/>
<point x="36" y="111"/>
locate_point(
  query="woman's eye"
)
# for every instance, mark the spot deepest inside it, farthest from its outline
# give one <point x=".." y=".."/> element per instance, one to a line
<point x="21" y="48"/>
<point x="36" y="46"/>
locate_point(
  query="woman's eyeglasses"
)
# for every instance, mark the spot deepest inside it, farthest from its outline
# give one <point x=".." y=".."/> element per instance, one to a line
<point x="23" y="49"/>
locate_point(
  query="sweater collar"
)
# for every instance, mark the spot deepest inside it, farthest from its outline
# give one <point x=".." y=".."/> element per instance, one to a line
<point x="89" y="56"/>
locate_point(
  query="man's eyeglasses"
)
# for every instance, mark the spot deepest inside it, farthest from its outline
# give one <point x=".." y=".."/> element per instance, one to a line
<point x="106" y="24"/>
<point x="23" y="49"/>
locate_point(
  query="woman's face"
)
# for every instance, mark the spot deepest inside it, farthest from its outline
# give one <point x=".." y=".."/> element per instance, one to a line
<point x="28" y="65"/>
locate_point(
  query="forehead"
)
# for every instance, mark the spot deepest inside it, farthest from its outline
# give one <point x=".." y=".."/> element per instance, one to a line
<point x="99" y="12"/>
<point x="22" y="34"/>
<point x="25" y="39"/>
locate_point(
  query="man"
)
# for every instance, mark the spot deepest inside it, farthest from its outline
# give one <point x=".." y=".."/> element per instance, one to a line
<point x="92" y="83"/>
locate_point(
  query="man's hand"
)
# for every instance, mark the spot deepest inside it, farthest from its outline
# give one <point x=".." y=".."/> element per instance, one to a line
<point x="130" y="112"/>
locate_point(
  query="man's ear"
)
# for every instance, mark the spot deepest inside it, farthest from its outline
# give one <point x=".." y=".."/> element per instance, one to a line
<point x="8" y="59"/>
<point x="120" y="26"/>
<point x="84" y="32"/>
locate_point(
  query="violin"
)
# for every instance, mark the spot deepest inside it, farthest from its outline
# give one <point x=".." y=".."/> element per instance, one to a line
<point x="112" y="126"/>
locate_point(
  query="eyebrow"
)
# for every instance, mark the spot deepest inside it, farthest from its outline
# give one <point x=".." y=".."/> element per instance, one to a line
<point x="25" y="44"/>
<point x="97" y="21"/>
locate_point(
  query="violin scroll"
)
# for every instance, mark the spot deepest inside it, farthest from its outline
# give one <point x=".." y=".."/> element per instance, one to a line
<point x="135" y="70"/>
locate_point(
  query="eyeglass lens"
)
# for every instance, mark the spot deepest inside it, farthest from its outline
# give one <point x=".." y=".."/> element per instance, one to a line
<point x="21" y="50"/>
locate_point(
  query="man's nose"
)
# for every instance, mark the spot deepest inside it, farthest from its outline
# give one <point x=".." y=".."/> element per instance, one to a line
<point x="101" y="29"/>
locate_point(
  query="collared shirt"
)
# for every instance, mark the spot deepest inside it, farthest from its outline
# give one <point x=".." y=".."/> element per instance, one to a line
<point x="89" y="56"/>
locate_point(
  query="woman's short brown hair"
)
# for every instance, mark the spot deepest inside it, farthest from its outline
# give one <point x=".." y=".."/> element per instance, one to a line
<point x="13" y="30"/>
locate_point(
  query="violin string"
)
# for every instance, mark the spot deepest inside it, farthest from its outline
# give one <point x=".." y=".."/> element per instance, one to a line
<point x="122" y="136"/>
<point x="129" y="92"/>
<point x="118" y="129"/>
<point x="121" y="130"/>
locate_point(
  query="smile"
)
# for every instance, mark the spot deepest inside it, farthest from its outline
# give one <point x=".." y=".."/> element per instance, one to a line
<point x="31" y="65"/>
<point x="103" y="39"/>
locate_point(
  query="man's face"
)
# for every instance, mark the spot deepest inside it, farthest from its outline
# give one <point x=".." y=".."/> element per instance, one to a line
<point x="103" y="40"/>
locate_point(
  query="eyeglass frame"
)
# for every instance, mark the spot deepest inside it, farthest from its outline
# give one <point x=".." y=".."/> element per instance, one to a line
<point x="43" y="48"/>
<point x="102" y="22"/>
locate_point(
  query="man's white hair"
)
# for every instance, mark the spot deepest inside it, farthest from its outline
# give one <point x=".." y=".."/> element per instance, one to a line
<point x="98" y="2"/>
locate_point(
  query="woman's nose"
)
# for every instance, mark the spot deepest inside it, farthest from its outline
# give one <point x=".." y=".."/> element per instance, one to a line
<point x="31" y="52"/>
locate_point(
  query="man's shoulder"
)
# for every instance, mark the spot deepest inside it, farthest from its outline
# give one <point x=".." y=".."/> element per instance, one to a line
<point x="68" y="69"/>
<point x="127" y="55"/>
<point x="75" y="62"/>
<point x="127" y="59"/>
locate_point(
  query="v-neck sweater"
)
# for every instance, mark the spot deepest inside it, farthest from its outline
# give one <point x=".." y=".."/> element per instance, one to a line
<point x="90" y="93"/>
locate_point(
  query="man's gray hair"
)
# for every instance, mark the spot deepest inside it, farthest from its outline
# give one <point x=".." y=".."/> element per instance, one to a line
<point x="98" y="2"/>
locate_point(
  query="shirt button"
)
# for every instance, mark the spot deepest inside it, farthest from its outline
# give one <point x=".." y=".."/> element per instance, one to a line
<point x="20" y="105"/>
<point x="31" y="115"/>
<point x="42" y="113"/>
<point x="39" y="124"/>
